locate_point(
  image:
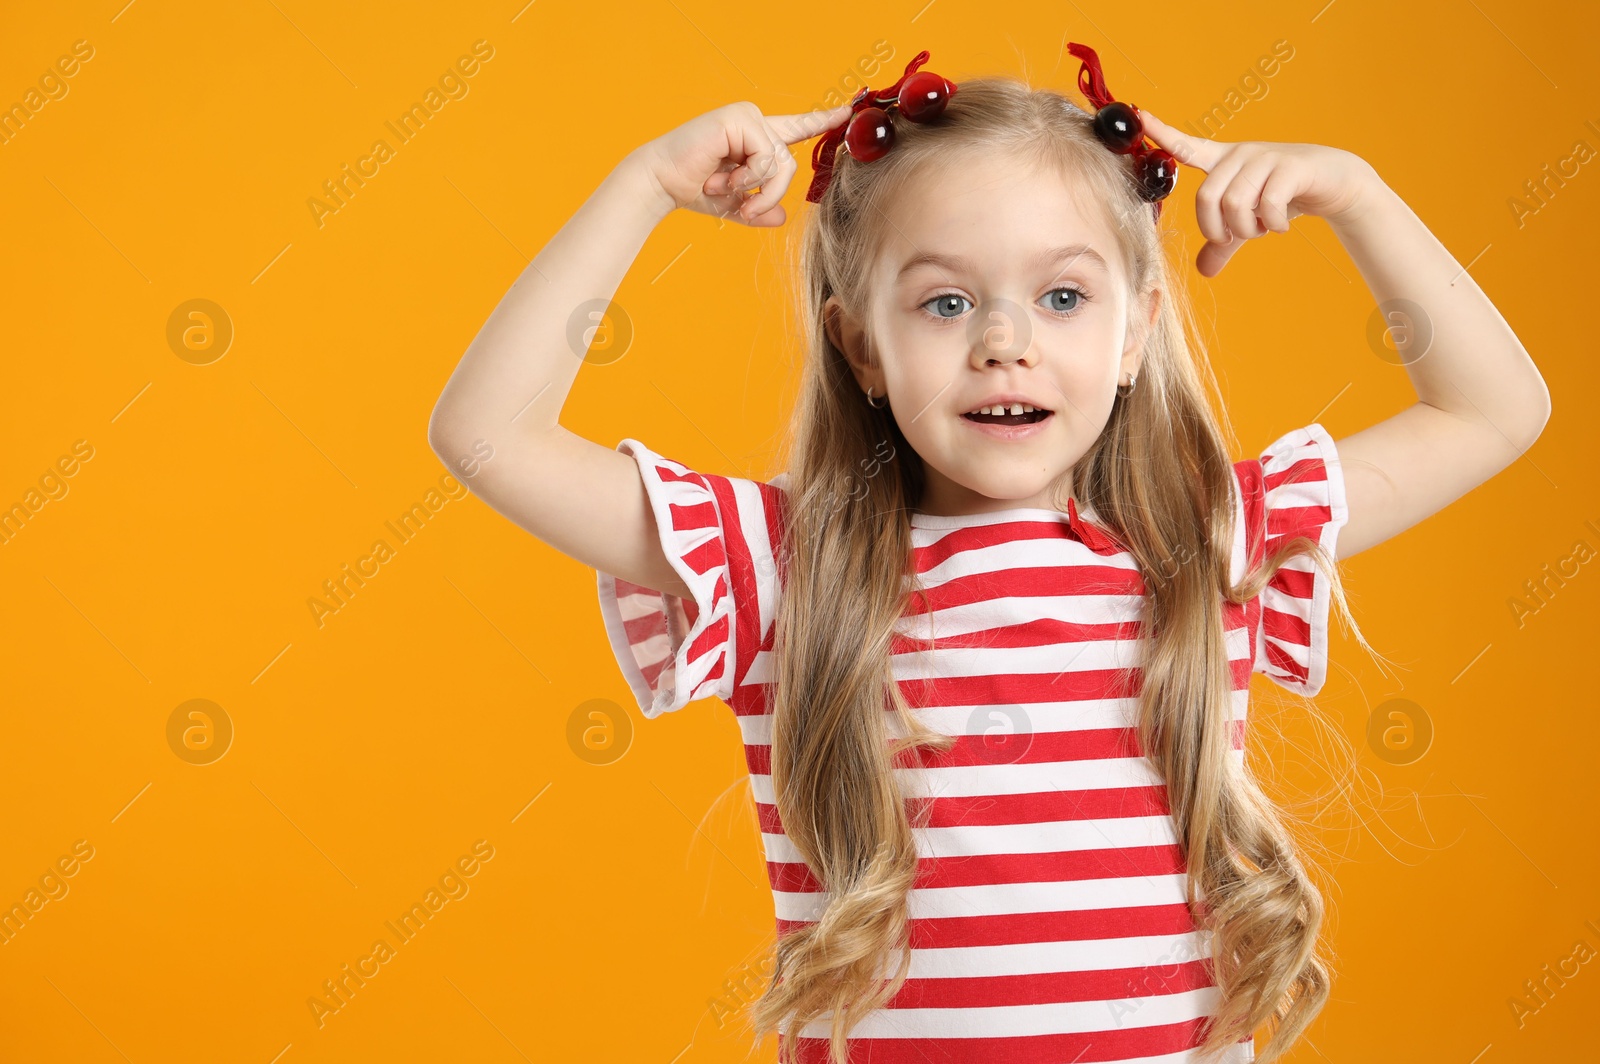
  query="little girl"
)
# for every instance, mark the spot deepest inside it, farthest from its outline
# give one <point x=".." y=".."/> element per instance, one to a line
<point x="989" y="638"/>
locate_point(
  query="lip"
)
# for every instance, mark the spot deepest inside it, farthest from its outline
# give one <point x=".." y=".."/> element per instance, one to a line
<point x="1008" y="432"/>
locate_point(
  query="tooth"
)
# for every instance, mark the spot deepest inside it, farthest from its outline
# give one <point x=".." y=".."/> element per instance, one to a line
<point x="1016" y="408"/>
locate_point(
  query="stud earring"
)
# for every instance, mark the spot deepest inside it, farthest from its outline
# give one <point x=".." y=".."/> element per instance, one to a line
<point x="876" y="406"/>
<point x="1132" y="380"/>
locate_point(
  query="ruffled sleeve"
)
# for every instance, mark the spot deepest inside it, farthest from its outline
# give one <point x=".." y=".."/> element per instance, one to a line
<point x="719" y="534"/>
<point x="1295" y="488"/>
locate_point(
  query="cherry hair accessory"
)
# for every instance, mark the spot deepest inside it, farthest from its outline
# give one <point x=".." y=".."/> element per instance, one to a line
<point x="1119" y="128"/>
<point x="869" y="131"/>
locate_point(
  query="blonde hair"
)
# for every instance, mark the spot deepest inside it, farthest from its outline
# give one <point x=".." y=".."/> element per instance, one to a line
<point x="1158" y="478"/>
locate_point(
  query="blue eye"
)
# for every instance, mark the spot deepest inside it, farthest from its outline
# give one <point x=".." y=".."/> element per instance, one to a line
<point x="1079" y="298"/>
<point x="944" y="302"/>
<point x="952" y="302"/>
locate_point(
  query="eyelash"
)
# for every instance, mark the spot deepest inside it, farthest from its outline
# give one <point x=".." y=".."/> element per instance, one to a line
<point x="939" y="319"/>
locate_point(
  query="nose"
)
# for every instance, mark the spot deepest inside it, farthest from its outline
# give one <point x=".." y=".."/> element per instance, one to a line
<point x="1001" y="333"/>
<point x="1027" y="358"/>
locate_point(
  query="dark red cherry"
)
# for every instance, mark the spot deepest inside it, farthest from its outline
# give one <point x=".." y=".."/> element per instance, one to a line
<point x="870" y="134"/>
<point x="1118" y="127"/>
<point x="923" y="96"/>
<point x="1157" y="174"/>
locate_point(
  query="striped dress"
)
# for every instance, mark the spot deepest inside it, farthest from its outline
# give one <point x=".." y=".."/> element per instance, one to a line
<point x="1049" y="921"/>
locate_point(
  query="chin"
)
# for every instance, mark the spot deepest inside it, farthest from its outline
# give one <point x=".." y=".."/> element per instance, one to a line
<point x="1017" y="494"/>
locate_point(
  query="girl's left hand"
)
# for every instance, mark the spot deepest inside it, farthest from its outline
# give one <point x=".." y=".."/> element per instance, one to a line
<point x="1255" y="187"/>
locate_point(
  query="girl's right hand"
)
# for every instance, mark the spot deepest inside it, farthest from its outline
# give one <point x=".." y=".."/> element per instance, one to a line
<point x="710" y="162"/>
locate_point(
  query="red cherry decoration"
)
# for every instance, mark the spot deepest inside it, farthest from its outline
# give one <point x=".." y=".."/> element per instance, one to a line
<point x="1157" y="174"/>
<point x="870" y="134"/>
<point x="923" y="96"/>
<point x="1118" y="127"/>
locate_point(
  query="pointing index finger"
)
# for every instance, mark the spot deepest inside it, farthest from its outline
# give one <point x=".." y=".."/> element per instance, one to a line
<point x="792" y="129"/>
<point x="1198" y="152"/>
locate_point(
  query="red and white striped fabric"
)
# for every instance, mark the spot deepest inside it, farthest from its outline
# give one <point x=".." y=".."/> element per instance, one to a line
<point x="1049" y="921"/>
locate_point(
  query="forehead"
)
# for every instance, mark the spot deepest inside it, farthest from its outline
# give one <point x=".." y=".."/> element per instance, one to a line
<point x="1001" y="215"/>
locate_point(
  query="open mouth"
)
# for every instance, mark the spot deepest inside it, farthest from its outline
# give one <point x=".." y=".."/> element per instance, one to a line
<point x="1028" y="417"/>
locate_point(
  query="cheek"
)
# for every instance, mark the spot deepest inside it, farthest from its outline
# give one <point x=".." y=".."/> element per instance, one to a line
<point x="1090" y="360"/>
<point x="921" y="363"/>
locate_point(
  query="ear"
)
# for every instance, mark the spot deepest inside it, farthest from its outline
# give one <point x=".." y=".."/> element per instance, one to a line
<point x="846" y="334"/>
<point x="1144" y="324"/>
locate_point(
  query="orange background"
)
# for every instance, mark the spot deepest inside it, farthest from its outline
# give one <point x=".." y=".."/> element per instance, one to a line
<point x="432" y="711"/>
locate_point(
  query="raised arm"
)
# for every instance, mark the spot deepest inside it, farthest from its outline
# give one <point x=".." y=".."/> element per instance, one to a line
<point x="1481" y="402"/>
<point x="496" y="423"/>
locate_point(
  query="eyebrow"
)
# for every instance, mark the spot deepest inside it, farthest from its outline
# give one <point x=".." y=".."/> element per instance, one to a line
<point x="1049" y="257"/>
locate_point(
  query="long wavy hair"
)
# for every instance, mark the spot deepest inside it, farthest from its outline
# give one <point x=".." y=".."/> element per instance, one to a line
<point x="1158" y="478"/>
